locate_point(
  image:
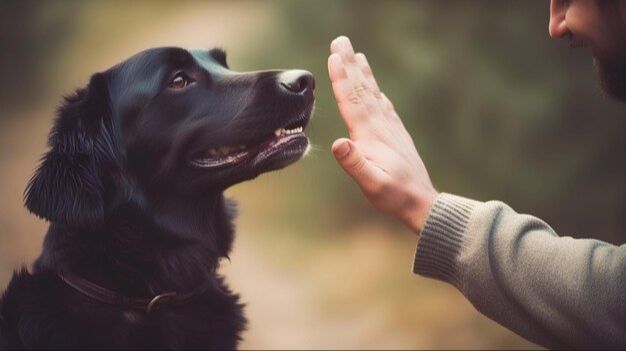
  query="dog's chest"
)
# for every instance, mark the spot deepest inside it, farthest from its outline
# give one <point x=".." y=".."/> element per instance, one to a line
<point x="179" y="330"/>
<point x="135" y="330"/>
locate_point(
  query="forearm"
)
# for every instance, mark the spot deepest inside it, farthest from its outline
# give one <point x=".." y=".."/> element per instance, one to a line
<point x="555" y="291"/>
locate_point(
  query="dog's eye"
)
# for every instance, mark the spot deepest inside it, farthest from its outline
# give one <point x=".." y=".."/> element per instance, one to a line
<point x="179" y="81"/>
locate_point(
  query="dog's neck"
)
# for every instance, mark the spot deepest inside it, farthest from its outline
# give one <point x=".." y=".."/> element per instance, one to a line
<point x="141" y="254"/>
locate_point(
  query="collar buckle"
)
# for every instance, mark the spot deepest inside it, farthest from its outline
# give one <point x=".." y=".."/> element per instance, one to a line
<point x="159" y="299"/>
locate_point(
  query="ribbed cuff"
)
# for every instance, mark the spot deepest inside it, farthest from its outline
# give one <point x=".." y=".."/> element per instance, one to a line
<point x="443" y="237"/>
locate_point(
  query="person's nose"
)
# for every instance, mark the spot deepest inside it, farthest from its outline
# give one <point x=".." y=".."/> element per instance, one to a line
<point x="558" y="23"/>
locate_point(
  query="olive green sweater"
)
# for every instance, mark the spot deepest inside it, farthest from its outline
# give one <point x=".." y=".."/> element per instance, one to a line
<point x="558" y="292"/>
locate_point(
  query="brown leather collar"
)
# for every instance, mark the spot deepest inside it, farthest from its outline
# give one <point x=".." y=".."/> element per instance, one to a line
<point x="140" y="303"/>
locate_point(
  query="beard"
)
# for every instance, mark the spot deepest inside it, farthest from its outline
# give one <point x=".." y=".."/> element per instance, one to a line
<point x="612" y="75"/>
<point x="611" y="63"/>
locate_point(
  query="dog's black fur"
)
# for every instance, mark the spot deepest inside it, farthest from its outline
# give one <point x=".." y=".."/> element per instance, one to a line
<point x="129" y="211"/>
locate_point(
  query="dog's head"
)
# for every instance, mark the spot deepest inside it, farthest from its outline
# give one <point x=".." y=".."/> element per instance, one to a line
<point x="168" y="125"/>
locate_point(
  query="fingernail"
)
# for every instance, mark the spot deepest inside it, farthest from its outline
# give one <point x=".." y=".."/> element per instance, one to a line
<point x="342" y="150"/>
<point x="346" y="43"/>
<point x="341" y="42"/>
<point x="342" y="38"/>
<point x="335" y="42"/>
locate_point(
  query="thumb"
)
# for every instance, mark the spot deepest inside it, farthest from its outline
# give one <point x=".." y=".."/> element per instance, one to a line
<point x="352" y="161"/>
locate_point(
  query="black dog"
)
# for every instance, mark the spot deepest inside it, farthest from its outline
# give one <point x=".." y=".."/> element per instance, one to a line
<point x="133" y="189"/>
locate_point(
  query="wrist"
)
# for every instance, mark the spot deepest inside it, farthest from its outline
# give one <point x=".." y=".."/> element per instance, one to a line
<point x="423" y="201"/>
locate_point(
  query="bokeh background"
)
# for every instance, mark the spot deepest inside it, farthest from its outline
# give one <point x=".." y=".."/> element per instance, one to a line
<point x="497" y="110"/>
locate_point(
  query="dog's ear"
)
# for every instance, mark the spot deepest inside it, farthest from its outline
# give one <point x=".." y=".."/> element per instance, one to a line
<point x="69" y="185"/>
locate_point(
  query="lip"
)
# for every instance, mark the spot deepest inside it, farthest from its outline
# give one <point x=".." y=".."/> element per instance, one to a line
<point x="282" y="145"/>
<point x="289" y="139"/>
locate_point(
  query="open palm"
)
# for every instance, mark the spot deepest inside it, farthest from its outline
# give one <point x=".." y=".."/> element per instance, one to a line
<point x="380" y="155"/>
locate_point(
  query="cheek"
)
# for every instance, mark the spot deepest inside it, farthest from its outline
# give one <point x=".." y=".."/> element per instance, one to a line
<point x="150" y="136"/>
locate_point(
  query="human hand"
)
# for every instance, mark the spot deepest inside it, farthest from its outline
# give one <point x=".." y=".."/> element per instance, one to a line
<point x="380" y="155"/>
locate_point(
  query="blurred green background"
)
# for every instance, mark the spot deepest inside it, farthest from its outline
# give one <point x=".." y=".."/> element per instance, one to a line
<point x="497" y="111"/>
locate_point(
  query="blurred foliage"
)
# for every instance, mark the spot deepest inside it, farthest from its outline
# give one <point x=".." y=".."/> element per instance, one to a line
<point x="497" y="111"/>
<point x="31" y="34"/>
<point x="496" y="108"/>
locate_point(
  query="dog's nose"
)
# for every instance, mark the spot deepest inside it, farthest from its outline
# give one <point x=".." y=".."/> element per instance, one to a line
<point x="297" y="81"/>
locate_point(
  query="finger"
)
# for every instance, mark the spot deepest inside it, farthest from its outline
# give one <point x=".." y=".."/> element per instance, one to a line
<point x="350" y="107"/>
<point x="349" y="82"/>
<point x="342" y="87"/>
<point x="367" y="72"/>
<point x="388" y="108"/>
<point x="355" y="164"/>
<point x="388" y="105"/>
<point x="342" y="47"/>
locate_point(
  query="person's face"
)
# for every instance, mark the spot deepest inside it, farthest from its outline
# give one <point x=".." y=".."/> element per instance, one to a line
<point x="601" y="26"/>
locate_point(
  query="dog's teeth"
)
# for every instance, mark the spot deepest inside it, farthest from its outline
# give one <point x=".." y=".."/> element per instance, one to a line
<point x="283" y="131"/>
<point x="293" y="131"/>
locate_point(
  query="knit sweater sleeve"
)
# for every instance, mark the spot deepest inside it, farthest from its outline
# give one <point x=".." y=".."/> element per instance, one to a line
<point x="558" y="292"/>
